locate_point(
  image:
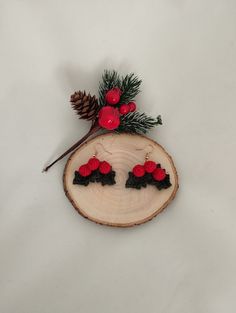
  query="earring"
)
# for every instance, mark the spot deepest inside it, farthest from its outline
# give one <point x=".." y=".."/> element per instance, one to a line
<point x="150" y="173"/>
<point x="95" y="171"/>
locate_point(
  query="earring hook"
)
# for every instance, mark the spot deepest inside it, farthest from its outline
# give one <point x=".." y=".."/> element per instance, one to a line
<point x="147" y="153"/>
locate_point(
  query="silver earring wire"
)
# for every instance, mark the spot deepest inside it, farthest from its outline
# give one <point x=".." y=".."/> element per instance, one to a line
<point x="147" y="153"/>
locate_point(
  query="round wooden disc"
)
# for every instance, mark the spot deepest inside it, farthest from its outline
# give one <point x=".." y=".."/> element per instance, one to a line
<point x="116" y="205"/>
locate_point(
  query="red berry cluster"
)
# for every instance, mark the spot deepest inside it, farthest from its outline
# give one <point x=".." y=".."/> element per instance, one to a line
<point x="112" y="97"/>
<point x="126" y="108"/>
<point x="93" y="165"/>
<point x="109" y="116"/>
<point x="150" y="167"/>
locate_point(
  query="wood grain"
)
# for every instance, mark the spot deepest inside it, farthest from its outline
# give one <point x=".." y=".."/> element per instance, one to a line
<point x="116" y="205"/>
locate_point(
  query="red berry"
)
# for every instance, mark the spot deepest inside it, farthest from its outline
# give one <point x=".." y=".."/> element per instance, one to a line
<point x="104" y="167"/>
<point x="109" y="117"/>
<point x="132" y="106"/>
<point x="124" y="109"/>
<point x="113" y="96"/>
<point x="159" y="174"/>
<point x="93" y="163"/>
<point x="138" y="170"/>
<point x="84" y="170"/>
<point x="149" y="166"/>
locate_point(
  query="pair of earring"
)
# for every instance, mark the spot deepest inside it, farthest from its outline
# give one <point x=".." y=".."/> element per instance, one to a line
<point x="149" y="173"/>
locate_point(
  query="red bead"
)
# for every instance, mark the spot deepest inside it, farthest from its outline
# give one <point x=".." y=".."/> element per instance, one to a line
<point x="149" y="166"/>
<point x="104" y="167"/>
<point x="84" y="170"/>
<point x="93" y="163"/>
<point x="124" y="109"/>
<point x="138" y="170"/>
<point x="132" y="106"/>
<point x="109" y="117"/>
<point x="159" y="174"/>
<point x="113" y="96"/>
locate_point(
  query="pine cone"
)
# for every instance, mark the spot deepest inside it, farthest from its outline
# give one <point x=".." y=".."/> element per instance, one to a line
<point x="86" y="106"/>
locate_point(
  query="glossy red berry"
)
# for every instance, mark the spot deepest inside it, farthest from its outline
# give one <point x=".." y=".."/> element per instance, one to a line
<point x="159" y="174"/>
<point x="112" y="96"/>
<point x="109" y="117"/>
<point x="84" y="170"/>
<point x="93" y="163"/>
<point x="104" y="167"/>
<point x="132" y="106"/>
<point x="138" y="170"/>
<point x="149" y="166"/>
<point x="124" y="109"/>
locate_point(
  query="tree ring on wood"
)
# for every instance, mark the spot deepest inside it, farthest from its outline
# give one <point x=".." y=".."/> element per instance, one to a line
<point x="116" y="205"/>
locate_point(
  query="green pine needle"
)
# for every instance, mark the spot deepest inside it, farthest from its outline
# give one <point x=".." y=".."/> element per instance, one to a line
<point x="129" y="86"/>
<point x="137" y="123"/>
<point x="110" y="79"/>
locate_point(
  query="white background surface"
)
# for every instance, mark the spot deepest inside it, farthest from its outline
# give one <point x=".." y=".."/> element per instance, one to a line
<point x="54" y="261"/>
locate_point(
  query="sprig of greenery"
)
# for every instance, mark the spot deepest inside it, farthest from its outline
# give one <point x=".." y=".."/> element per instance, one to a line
<point x="129" y="86"/>
<point x="110" y="79"/>
<point x="133" y="122"/>
<point x="137" y="123"/>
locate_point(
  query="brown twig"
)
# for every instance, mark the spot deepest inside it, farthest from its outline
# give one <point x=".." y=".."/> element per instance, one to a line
<point x="94" y="128"/>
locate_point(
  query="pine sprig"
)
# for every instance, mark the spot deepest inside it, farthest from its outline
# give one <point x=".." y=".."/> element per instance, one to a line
<point x="88" y="107"/>
<point x="130" y="87"/>
<point x="137" y="123"/>
<point x="110" y="79"/>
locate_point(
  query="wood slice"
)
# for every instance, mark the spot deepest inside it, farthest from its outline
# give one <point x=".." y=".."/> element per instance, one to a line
<point x="116" y="205"/>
